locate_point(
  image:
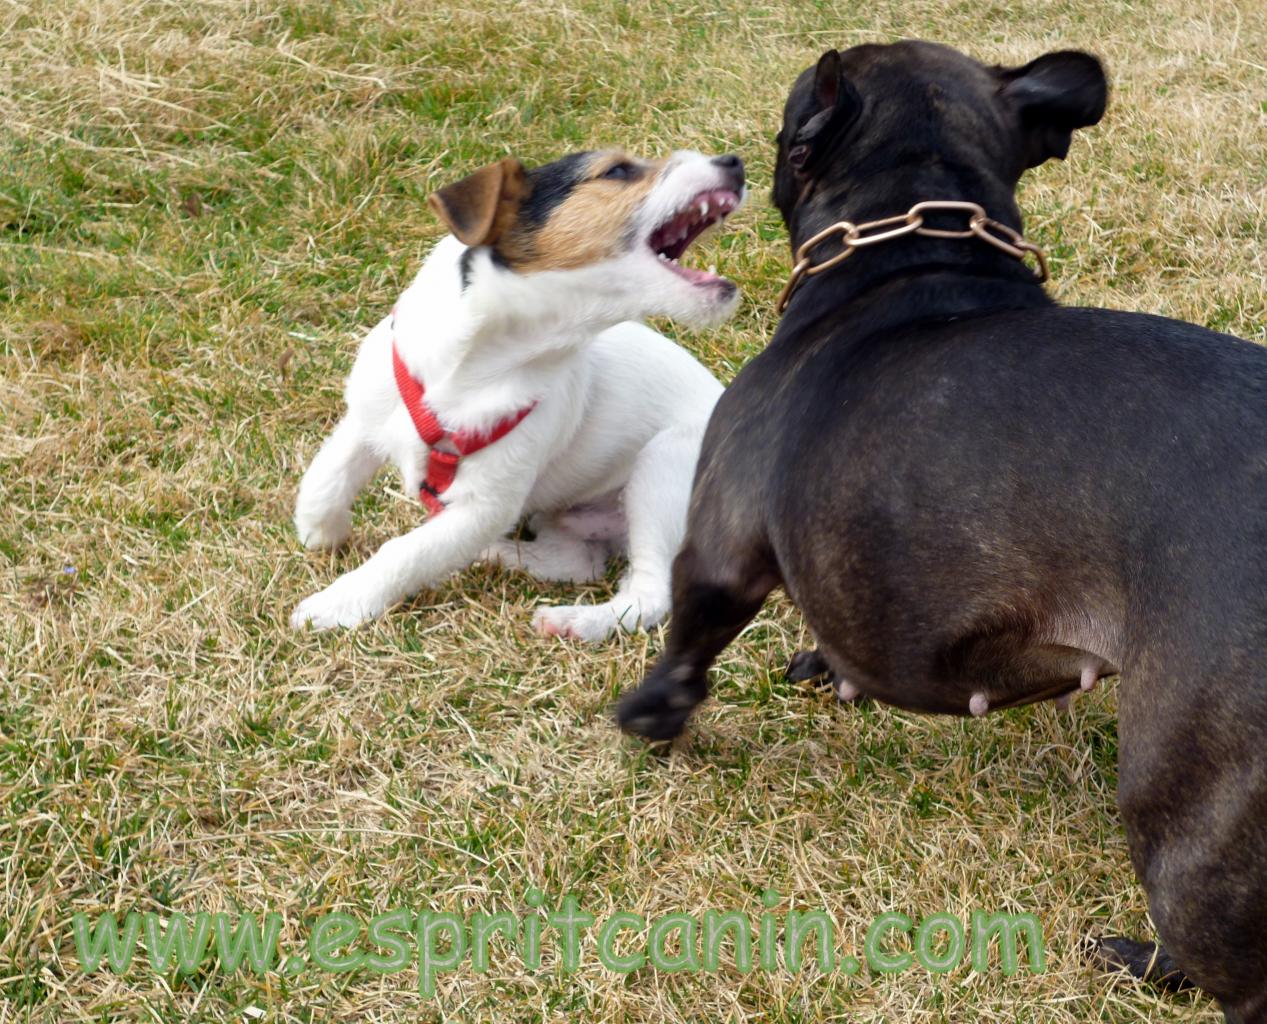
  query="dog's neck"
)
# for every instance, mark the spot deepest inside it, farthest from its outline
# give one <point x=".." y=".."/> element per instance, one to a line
<point x="875" y="285"/>
<point x="479" y="335"/>
<point x="884" y="307"/>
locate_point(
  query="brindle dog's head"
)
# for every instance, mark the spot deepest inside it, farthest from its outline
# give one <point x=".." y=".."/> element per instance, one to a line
<point x="872" y="130"/>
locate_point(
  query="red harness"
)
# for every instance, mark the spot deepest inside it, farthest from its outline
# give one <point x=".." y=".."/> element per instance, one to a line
<point x="442" y="464"/>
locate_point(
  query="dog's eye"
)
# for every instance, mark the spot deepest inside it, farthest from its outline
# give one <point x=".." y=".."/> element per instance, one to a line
<point x="620" y="172"/>
<point x="797" y="156"/>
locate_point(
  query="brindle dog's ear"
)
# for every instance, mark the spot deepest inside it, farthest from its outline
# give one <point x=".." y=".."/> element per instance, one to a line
<point x="837" y="104"/>
<point x="479" y="208"/>
<point x="1055" y="94"/>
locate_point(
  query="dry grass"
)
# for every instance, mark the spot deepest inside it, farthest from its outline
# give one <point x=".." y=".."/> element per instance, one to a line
<point x="201" y="205"/>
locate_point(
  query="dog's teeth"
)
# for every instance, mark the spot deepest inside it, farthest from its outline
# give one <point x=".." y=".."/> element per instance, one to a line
<point x="703" y="208"/>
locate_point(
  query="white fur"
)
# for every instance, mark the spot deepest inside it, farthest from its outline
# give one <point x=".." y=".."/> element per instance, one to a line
<point x="603" y="463"/>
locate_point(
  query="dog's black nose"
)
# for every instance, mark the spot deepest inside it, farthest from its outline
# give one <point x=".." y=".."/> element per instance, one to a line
<point x="730" y="162"/>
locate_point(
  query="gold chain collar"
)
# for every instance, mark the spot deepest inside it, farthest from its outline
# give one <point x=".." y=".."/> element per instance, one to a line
<point x="858" y="236"/>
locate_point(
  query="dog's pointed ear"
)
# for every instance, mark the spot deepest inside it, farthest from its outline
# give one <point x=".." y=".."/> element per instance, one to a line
<point x="837" y="103"/>
<point x="1055" y="94"/>
<point x="479" y="208"/>
<point x="828" y="76"/>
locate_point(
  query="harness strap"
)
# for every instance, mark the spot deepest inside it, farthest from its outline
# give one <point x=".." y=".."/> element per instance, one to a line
<point x="442" y="464"/>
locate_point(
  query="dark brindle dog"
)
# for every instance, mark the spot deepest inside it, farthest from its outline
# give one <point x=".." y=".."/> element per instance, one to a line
<point x="981" y="499"/>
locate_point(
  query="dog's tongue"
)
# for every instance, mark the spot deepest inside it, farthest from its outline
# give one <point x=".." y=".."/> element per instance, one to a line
<point x="695" y="276"/>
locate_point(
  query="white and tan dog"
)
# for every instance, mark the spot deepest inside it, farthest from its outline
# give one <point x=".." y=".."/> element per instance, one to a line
<point x="509" y="382"/>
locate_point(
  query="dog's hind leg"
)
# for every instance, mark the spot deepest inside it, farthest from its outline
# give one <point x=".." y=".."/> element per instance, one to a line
<point x="807" y="666"/>
<point x="323" y="509"/>
<point x="1192" y="789"/>
<point x="655" y="503"/>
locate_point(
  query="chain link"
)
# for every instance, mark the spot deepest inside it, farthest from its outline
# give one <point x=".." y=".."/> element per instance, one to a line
<point x="859" y="236"/>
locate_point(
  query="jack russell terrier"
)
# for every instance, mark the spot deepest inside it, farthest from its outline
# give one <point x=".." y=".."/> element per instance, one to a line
<point x="511" y="380"/>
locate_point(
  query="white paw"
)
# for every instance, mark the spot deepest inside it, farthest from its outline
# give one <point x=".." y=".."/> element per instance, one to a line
<point x="591" y="622"/>
<point x="340" y="604"/>
<point x="316" y="534"/>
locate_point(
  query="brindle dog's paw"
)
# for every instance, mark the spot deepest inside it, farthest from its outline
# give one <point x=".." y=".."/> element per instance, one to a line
<point x="660" y="707"/>
<point x="1143" y="960"/>
<point x="807" y="666"/>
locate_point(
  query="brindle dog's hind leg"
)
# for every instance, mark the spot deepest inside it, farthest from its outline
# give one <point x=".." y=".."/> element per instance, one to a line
<point x="715" y="594"/>
<point x="807" y="666"/>
<point x="1192" y="788"/>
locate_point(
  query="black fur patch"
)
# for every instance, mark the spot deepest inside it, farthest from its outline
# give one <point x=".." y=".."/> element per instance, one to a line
<point x="550" y="185"/>
<point x="464" y="267"/>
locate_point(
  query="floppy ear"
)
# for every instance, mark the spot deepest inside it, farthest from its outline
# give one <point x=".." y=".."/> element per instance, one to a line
<point x="837" y="103"/>
<point x="1055" y="94"/>
<point x="480" y="207"/>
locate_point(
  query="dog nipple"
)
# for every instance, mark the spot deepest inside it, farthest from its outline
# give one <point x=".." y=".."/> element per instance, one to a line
<point x="1090" y="675"/>
<point x="846" y="691"/>
<point x="979" y="704"/>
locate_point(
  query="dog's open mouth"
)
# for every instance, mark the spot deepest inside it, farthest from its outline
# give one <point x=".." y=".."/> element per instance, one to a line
<point x="672" y="238"/>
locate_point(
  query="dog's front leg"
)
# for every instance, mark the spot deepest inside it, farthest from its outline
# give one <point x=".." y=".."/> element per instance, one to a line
<point x="404" y="565"/>
<point x="345" y="464"/>
<point x="716" y="592"/>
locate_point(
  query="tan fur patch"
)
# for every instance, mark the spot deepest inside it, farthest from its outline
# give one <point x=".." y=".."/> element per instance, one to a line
<point x="591" y="224"/>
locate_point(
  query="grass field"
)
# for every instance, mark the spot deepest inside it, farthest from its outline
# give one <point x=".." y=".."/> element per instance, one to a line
<point x="202" y="206"/>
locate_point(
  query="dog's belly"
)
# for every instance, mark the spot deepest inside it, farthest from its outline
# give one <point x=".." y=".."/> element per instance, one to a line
<point x="583" y="484"/>
<point x="982" y="626"/>
<point x="952" y="525"/>
<point x="601" y="519"/>
<point x="988" y="673"/>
